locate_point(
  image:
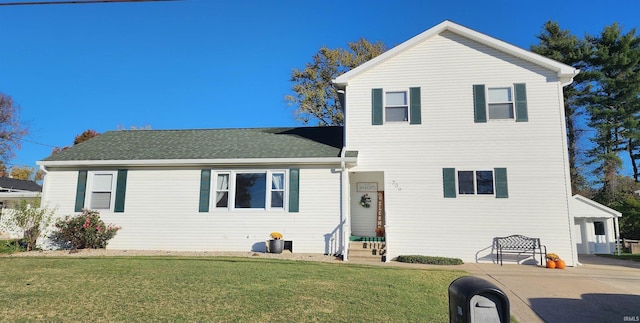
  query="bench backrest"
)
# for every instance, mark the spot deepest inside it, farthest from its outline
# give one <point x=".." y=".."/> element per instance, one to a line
<point x="517" y="242"/>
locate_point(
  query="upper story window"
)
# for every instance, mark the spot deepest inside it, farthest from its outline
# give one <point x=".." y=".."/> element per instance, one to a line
<point x="102" y="186"/>
<point x="396" y="106"/>
<point x="502" y="102"/>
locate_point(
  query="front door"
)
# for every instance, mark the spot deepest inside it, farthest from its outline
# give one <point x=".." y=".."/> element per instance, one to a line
<point x="365" y="216"/>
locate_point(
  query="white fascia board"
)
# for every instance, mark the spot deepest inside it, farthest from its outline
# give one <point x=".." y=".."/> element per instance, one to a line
<point x="17" y="195"/>
<point x="200" y="162"/>
<point x="564" y="71"/>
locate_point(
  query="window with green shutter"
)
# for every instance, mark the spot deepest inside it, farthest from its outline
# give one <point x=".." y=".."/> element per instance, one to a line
<point x="396" y="106"/>
<point x="376" y="107"/>
<point x="81" y="190"/>
<point x="522" y="115"/>
<point x="250" y="189"/>
<point x="475" y="182"/>
<point x="449" y="181"/>
<point x="121" y="190"/>
<point x="500" y="103"/>
<point x="101" y="190"/>
<point x="205" y="187"/>
<point x="502" y="188"/>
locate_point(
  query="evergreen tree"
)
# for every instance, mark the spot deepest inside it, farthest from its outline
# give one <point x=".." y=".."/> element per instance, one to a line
<point x="562" y="46"/>
<point x="613" y="102"/>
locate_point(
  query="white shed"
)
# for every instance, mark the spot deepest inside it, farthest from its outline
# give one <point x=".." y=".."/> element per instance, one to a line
<point x="596" y="226"/>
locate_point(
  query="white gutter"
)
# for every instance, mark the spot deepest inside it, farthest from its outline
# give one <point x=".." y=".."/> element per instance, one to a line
<point x="198" y="162"/>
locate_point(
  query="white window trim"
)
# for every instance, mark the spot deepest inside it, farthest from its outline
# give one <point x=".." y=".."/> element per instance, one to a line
<point x="512" y="102"/>
<point x="90" y="181"/>
<point x="475" y="181"/>
<point x="232" y="190"/>
<point x="384" y="105"/>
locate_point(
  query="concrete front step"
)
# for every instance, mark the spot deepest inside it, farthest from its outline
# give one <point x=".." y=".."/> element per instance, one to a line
<point x="366" y="251"/>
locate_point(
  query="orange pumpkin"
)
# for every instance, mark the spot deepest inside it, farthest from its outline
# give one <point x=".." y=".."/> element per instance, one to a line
<point x="560" y="264"/>
<point x="551" y="264"/>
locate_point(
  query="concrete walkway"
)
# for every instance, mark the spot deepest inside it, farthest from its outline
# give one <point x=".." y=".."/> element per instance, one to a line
<point x="601" y="290"/>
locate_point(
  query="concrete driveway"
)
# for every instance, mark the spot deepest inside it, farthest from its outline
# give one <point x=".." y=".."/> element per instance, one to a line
<point x="601" y="290"/>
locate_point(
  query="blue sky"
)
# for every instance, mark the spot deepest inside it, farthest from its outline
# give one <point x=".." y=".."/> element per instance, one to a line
<point x="219" y="64"/>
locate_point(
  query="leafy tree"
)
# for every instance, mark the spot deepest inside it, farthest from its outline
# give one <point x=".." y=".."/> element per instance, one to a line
<point x="84" y="136"/>
<point x="625" y="200"/>
<point x="22" y="172"/>
<point x="315" y="97"/>
<point x="562" y="46"/>
<point x="11" y="130"/>
<point x="613" y="102"/>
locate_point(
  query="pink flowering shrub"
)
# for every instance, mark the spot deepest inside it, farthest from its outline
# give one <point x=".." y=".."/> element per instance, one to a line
<point x="84" y="231"/>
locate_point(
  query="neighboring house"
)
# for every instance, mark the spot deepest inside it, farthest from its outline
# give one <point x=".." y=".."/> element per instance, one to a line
<point x="452" y="138"/>
<point x="11" y="191"/>
<point x="596" y="226"/>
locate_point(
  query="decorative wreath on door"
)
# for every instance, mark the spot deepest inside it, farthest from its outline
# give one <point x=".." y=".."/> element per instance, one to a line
<point x="365" y="201"/>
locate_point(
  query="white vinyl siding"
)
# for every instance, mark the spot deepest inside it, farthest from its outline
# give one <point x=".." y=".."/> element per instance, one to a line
<point x="419" y="219"/>
<point x="162" y="212"/>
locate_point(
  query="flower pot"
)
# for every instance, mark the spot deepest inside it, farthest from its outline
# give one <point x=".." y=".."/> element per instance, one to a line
<point x="276" y="246"/>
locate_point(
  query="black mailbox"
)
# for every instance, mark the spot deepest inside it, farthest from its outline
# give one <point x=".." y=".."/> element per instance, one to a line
<point x="472" y="299"/>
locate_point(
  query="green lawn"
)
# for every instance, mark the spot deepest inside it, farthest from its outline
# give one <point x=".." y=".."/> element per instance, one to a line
<point x="218" y="289"/>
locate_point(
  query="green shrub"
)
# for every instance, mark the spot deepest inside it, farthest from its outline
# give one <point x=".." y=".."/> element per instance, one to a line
<point x="11" y="246"/>
<point x="84" y="231"/>
<point x="430" y="260"/>
<point x="29" y="219"/>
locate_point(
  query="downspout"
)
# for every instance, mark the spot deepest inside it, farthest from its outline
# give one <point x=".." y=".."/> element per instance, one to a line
<point x="44" y="182"/>
<point x="345" y="202"/>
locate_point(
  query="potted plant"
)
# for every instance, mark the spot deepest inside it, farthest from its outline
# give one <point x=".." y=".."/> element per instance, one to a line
<point x="276" y="244"/>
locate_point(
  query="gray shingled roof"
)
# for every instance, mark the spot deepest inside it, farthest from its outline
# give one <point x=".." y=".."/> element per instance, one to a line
<point x="303" y="142"/>
<point x="19" y="184"/>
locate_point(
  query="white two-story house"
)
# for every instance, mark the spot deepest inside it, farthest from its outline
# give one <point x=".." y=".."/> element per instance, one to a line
<point x="450" y="139"/>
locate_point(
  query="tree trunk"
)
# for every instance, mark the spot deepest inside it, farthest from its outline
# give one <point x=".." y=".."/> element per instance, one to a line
<point x="633" y="161"/>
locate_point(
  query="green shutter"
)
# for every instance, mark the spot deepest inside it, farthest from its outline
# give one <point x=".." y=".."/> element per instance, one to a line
<point x="205" y="187"/>
<point x="502" y="189"/>
<point x="479" y="103"/>
<point x="81" y="190"/>
<point x="376" y="106"/>
<point x="121" y="189"/>
<point x="414" y="106"/>
<point x="522" y="114"/>
<point x="449" y="182"/>
<point x="294" y="190"/>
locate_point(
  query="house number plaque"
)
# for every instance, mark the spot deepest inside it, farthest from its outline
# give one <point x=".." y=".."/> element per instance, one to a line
<point x="367" y="187"/>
